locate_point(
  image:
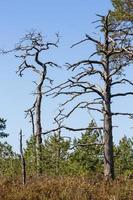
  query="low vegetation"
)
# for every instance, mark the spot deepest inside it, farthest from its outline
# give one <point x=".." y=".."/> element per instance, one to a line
<point x="67" y="188"/>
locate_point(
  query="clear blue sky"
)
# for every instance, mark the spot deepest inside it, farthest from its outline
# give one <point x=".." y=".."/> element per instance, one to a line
<point x="72" y="19"/>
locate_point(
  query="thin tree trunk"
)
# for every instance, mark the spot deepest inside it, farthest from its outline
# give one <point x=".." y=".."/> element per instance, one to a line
<point x="23" y="164"/>
<point x="58" y="153"/>
<point x="38" y="127"/>
<point x="38" y="134"/>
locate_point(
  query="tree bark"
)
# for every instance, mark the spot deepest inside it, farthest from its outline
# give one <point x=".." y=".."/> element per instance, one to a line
<point x="29" y="50"/>
<point x="38" y="134"/>
<point x="107" y="115"/>
<point x="38" y="127"/>
<point x="108" y="140"/>
<point x="23" y="164"/>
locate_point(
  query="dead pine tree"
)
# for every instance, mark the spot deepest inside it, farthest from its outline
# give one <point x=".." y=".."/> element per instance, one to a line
<point x="94" y="79"/>
<point x="23" y="164"/>
<point x="30" y="51"/>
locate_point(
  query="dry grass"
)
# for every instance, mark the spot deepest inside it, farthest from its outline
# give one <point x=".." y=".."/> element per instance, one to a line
<point x="66" y="188"/>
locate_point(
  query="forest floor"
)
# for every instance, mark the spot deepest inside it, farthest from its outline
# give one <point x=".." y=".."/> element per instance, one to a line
<point x="66" y="188"/>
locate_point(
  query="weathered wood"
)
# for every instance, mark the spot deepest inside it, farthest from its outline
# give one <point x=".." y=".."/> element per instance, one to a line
<point x="34" y="46"/>
<point x="23" y="163"/>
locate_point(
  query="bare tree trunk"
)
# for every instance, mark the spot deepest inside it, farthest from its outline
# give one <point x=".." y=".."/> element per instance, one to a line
<point x="32" y="122"/>
<point x="108" y="141"/>
<point x="38" y="134"/>
<point x="107" y="115"/>
<point x="34" y="137"/>
<point x="38" y="128"/>
<point x="23" y="164"/>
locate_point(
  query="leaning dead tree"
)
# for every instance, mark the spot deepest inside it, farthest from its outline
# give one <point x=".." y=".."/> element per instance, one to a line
<point x="94" y="79"/>
<point x="30" y="51"/>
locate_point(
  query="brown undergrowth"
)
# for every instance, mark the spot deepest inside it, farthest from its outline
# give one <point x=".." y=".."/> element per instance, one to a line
<point x="66" y="188"/>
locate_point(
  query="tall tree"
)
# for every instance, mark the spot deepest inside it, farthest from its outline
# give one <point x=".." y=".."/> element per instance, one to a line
<point x="30" y="50"/>
<point x="98" y="78"/>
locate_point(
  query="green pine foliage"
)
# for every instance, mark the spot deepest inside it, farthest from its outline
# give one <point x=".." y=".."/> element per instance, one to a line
<point x="9" y="161"/>
<point x="2" y="128"/>
<point x="87" y="157"/>
<point x="82" y="156"/>
<point x="124" y="157"/>
<point x="123" y="9"/>
<point x="30" y="156"/>
<point x="54" y="155"/>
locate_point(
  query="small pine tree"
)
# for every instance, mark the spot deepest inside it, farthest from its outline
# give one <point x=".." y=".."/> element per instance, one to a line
<point x="9" y="161"/>
<point x="55" y="154"/>
<point x="87" y="157"/>
<point x="124" y="157"/>
<point x="30" y="156"/>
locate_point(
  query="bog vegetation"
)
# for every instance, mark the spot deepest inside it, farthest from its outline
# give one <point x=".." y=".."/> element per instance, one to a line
<point x="91" y="166"/>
